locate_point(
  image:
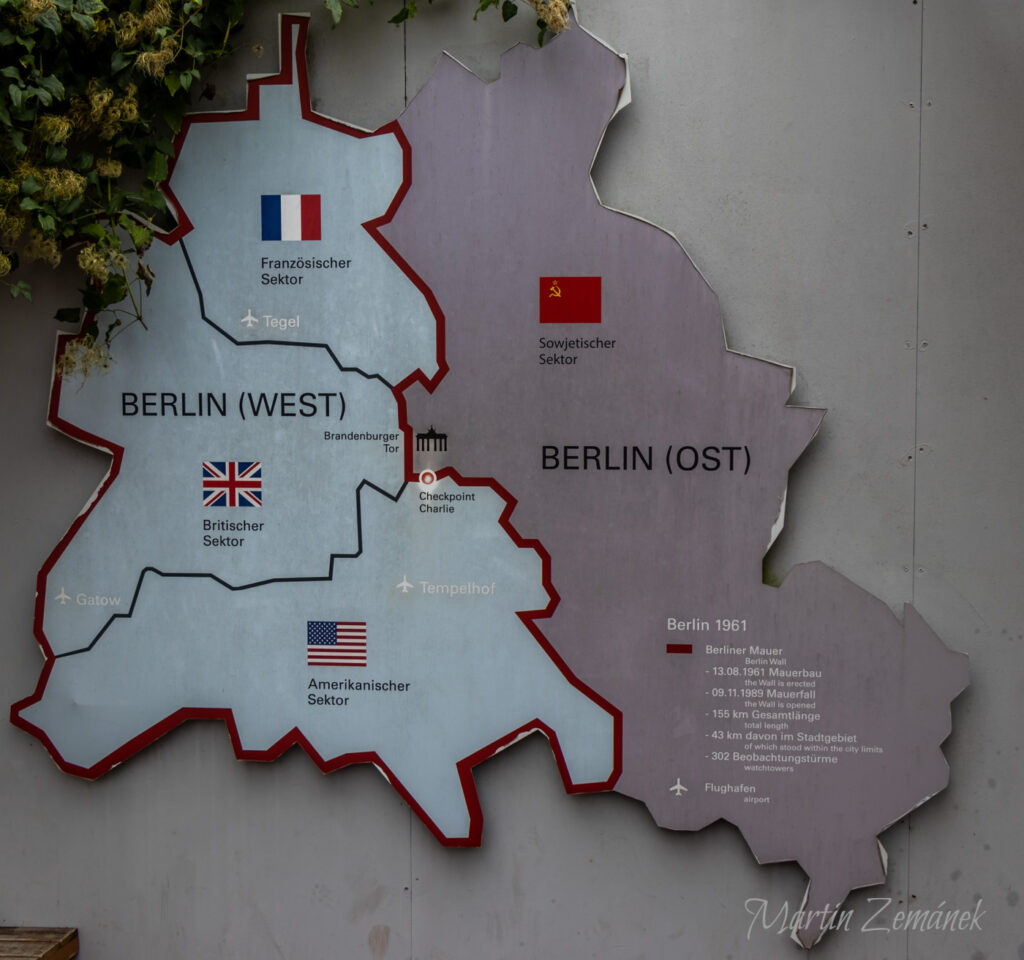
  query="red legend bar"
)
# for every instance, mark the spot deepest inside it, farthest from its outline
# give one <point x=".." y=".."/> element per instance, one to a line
<point x="678" y="648"/>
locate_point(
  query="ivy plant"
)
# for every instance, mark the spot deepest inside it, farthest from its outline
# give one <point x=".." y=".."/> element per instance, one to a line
<point x="91" y="95"/>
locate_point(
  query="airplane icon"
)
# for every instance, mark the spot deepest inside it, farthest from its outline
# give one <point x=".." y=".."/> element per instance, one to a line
<point x="678" y="789"/>
<point x="62" y="597"/>
<point x="249" y="320"/>
<point x="404" y="586"/>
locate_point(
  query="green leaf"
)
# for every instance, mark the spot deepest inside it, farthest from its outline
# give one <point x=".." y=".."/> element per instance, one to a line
<point x="118" y="61"/>
<point x="12" y="73"/>
<point x="92" y="299"/>
<point x="156" y="169"/>
<point x="6" y="38"/>
<point x="334" y="9"/>
<point x="51" y="85"/>
<point x="93" y="231"/>
<point x="141" y="236"/>
<point x="185" y="79"/>
<point x="30" y="185"/>
<point x="21" y="289"/>
<point x="16" y="94"/>
<point x="5" y="117"/>
<point x="90" y="7"/>
<point x="172" y="115"/>
<point x="155" y="198"/>
<point x="44" y="97"/>
<point x="18" y="139"/>
<point x="84" y="21"/>
<point x="484" y="4"/>
<point x="408" y="10"/>
<point x="113" y="291"/>
<point x="68" y="315"/>
<point x="71" y="206"/>
<point x="508" y="10"/>
<point x="50" y="19"/>
<point x="56" y="153"/>
<point x="46" y="223"/>
<point x="27" y="203"/>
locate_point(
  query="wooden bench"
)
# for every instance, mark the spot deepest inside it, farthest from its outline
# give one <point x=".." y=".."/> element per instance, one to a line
<point x="38" y="943"/>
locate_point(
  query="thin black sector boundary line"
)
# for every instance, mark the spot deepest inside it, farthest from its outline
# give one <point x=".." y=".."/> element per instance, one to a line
<point x="256" y="583"/>
<point x="278" y="343"/>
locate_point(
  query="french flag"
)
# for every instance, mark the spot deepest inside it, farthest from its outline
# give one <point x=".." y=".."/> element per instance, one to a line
<point x="290" y="216"/>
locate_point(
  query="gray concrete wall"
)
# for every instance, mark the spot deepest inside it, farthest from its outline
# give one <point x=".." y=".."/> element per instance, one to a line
<point x="846" y="174"/>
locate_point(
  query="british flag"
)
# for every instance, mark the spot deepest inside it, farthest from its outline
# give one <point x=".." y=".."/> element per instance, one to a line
<point x="232" y="483"/>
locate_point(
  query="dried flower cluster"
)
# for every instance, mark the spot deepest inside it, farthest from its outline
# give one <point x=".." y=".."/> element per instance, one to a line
<point x="39" y="247"/>
<point x="100" y="262"/>
<point x="100" y="112"/>
<point x="111" y="169"/>
<point x="83" y="355"/>
<point x="12" y="226"/>
<point x="54" y="130"/>
<point x="133" y="27"/>
<point x="155" y="62"/>
<point x="554" y="13"/>
<point x="32" y="10"/>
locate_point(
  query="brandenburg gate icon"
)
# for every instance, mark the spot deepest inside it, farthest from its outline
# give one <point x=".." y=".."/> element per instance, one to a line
<point x="432" y="440"/>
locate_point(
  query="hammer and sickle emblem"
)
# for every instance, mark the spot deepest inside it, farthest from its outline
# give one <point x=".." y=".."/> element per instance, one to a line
<point x="555" y="290"/>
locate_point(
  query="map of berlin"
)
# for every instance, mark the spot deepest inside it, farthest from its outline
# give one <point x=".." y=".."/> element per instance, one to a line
<point x="356" y="413"/>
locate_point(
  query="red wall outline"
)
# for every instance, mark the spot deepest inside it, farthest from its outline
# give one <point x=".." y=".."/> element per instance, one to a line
<point x="293" y="68"/>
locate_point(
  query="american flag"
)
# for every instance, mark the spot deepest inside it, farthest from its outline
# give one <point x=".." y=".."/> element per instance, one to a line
<point x="335" y="643"/>
<point x="232" y="483"/>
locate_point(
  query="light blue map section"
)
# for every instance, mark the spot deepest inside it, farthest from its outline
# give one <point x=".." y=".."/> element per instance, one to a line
<point x="153" y="513"/>
<point x="369" y="312"/>
<point x="164" y="604"/>
<point x="474" y="671"/>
